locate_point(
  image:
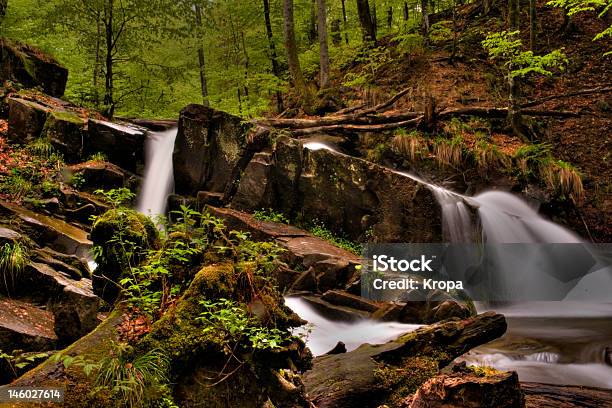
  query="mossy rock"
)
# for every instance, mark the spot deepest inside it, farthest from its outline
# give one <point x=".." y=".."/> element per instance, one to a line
<point x="124" y="236"/>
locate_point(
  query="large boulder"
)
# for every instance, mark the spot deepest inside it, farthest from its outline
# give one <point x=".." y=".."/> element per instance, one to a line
<point x="31" y="67"/>
<point x="66" y="132"/>
<point x="122" y="143"/>
<point x="26" y="119"/>
<point x="25" y="327"/>
<point x="210" y="150"/>
<point x="255" y="188"/>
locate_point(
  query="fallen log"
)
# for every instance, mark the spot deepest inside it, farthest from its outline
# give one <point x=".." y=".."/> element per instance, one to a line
<point x="353" y="379"/>
<point x="599" y="89"/>
<point x="357" y="128"/>
<point x="354" y="119"/>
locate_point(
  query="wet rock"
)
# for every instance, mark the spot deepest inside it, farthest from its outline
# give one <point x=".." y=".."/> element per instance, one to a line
<point x="8" y="236"/>
<point x="354" y="379"/>
<point x="123" y="144"/>
<point x="255" y="189"/>
<point x="334" y="312"/>
<point x="565" y="396"/>
<point x="69" y="264"/>
<point x="66" y="133"/>
<point x="339" y="348"/>
<point x="156" y="125"/>
<point x="209" y="152"/>
<point x="49" y="231"/>
<point x="31" y="67"/>
<point x="340" y="298"/>
<point x="469" y="390"/>
<point x="205" y="198"/>
<point x="74" y="201"/>
<point x="99" y="175"/>
<point x="25" y="327"/>
<point x="26" y="120"/>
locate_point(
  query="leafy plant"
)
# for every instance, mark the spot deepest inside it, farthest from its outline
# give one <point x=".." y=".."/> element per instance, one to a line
<point x="270" y="215"/>
<point x="117" y="197"/>
<point x="77" y="180"/>
<point x="227" y="318"/>
<point x="41" y="147"/>
<point x="14" y="258"/>
<point x="98" y="157"/>
<point x="318" y="229"/>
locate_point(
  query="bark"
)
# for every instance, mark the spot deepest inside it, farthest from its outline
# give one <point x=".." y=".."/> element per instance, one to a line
<point x="345" y="21"/>
<point x="425" y="17"/>
<point x="273" y="55"/>
<point x="533" y="25"/>
<point x="366" y="21"/>
<point x="374" y="19"/>
<point x="336" y="35"/>
<point x="389" y="17"/>
<point x="312" y="22"/>
<point x="291" y="48"/>
<point x="3" y="6"/>
<point x="599" y="89"/>
<point x="323" y="47"/>
<point x="97" y="64"/>
<point x="486" y="5"/>
<point x="406" y="12"/>
<point x="109" y="101"/>
<point x="201" y="59"/>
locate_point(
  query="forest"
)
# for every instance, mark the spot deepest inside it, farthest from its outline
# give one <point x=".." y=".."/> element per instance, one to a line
<point x="199" y="200"/>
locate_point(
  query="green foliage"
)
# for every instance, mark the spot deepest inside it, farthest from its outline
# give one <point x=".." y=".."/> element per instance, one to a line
<point x="227" y="318"/>
<point x="41" y="147"/>
<point x="16" y="185"/>
<point x="117" y="197"/>
<point x="371" y="60"/>
<point x="507" y="48"/>
<point x="98" y="157"/>
<point x="318" y="229"/>
<point x="77" y="180"/>
<point x="14" y="257"/>
<point x="573" y="7"/>
<point x="270" y="215"/>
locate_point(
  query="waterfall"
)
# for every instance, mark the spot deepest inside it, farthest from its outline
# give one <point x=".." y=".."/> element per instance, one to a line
<point x="159" y="178"/>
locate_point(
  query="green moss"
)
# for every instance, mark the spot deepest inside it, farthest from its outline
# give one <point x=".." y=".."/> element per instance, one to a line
<point x="484" y="371"/>
<point x="67" y="116"/>
<point x="403" y="380"/>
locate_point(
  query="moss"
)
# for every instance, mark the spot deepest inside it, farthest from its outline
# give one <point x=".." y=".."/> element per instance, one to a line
<point x="67" y="116"/>
<point x="484" y="371"/>
<point x="406" y="378"/>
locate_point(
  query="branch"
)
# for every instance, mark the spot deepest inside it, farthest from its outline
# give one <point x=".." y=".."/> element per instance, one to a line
<point x="536" y="102"/>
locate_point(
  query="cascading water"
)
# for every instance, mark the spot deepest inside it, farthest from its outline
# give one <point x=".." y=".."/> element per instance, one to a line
<point x="159" y="179"/>
<point x="567" y="340"/>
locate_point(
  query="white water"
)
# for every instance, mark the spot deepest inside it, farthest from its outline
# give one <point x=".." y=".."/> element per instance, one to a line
<point x="323" y="334"/>
<point x="582" y="330"/>
<point x="158" y="179"/>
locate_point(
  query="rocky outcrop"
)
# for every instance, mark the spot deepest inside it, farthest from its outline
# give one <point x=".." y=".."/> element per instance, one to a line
<point x="468" y="389"/>
<point x="210" y="150"/>
<point x="122" y="143"/>
<point x="97" y="175"/>
<point x="371" y="375"/>
<point x="26" y="119"/>
<point x="66" y="132"/>
<point x="25" y="327"/>
<point x="565" y="396"/>
<point x="31" y="67"/>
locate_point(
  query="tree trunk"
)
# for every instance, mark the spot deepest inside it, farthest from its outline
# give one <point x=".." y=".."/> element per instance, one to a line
<point x="323" y="48"/>
<point x="425" y="20"/>
<point x="517" y="14"/>
<point x="514" y="109"/>
<point x="486" y="5"/>
<point x="406" y="13"/>
<point x="109" y="102"/>
<point x="345" y="21"/>
<point x="336" y="34"/>
<point x="374" y="19"/>
<point x="97" y="63"/>
<point x="273" y="56"/>
<point x="533" y="24"/>
<point x="3" y="6"/>
<point x="201" y="59"/>
<point x="312" y="23"/>
<point x="365" y="18"/>
<point x="389" y="17"/>
<point x="291" y="48"/>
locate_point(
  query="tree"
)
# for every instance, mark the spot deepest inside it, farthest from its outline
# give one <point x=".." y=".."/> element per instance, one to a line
<point x="573" y="7"/>
<point x="533" y="24"/>
<point x="201" y="57"/>
<point x="3" y="6"/>
<point x="272" y="48"/>
<point x="323" y="47"/>
<point x="344" y="19"/>
<point x="425" y="19"/>
<point x="507" y="48"/>
<point x="367" y="22"/>
<point x="291" y="48"/>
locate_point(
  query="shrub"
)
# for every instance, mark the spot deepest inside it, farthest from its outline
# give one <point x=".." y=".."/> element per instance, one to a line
<point x="13" y="259"/>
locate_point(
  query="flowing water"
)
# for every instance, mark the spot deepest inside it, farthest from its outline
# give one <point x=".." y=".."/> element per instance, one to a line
<point x="158" y="179"/>
<point x="549" y="342"/>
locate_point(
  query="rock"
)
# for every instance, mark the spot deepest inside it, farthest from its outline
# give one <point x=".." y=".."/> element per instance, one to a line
<point x="74" y="201"/>
<point x="156" y="125"/>
<point x="8" y="236"/>
<point x="338" y="349"/>
<point x="355" y="379"/>
<point x="50" y="231"/>
<point x="113" y="262"/>
<point x="340" y="298"/>
<point x="469" y="390"/>
<point x="66" y="132"/>
<point x="334" y="312"/>
<point x="210" y="150"/>
<point x="31" y="67"/>
<point x="123" y="144"/>
<point x="205" y="198"/>
<point x="99" y="175"/>
<point x="25" y="327"/>
<point x="69" y="264"/>
<point x="608" y="356"/>
<point x="26" y="120"/>
<point x="255" y="188"/>
<point x="565" y="396"/>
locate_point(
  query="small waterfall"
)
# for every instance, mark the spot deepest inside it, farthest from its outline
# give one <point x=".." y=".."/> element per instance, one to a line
<point x="159" y="178"/>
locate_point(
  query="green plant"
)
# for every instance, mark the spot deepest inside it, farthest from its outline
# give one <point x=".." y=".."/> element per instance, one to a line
<point x="14" y="258"/>
<point x="227" y="318"/>
<point x="128" y="376"/>
<point x="77" y="180"/>
<point x="117" y="197"/>
<point x="449" y="152"/>
<point x="17" y="186"/>
<point x="41" y="147"/>
<point x="270" y="215"/>
<point x="98" y="157"/>
<point x="319" y="230"/>
<point x="410" y="145"/>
